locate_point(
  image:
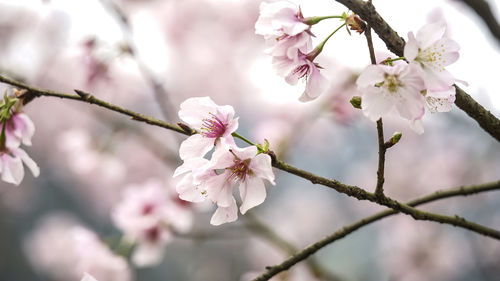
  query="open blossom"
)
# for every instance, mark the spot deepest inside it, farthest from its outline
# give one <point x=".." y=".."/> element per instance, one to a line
<point x="215" y="123"/>
<point x="385" y="88"/>
<point x="279" y="18"/>
<point x="431" y="51"/>
<point x="147" y="216"/>
<point x="242" y="167"/>
<point x="191" y="186"/>
<point x="305" y="69"/>
<point x="11" y="165"/>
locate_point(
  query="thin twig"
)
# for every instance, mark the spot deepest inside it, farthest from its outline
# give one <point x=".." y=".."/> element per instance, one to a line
<point x="344" y="231"/>
<point x="382" y="148"/>
<point x="267" y="233"/>
<point x="483" y="10"/>
<point x="159" y="91"/>
<point x="352" y="191"/>
<point x="395" y="44"/>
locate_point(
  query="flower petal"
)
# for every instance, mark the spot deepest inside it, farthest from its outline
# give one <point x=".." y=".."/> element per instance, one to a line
<point x="252" y="192"/>
<point x="370" y="76"/>
<point x="316" y="84"/>
<point x="261" y="167"/>
<point x="225" y="214"/>
<point x="195" y="146"/>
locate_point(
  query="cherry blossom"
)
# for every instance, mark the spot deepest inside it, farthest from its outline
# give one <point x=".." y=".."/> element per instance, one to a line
<point x="385" y="88"/>
<point x="147" y="215"/>
<point x="243" y="167"/>
<point x="11" y="165"/>
<point x="440" y="101"/>
<point x="215" y="123"/>
<point x="279" y="18"/>
<point x="302" y="68"/>
<point x="432" y="52"/>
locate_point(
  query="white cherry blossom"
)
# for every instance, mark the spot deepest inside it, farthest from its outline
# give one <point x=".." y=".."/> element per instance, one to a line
<point x="432" y="51"/>
<point x="385" y="88"/>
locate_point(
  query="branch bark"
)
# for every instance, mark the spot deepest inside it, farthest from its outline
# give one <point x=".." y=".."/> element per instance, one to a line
<point x="344" y="231"/>
<point x="483" y="10"/>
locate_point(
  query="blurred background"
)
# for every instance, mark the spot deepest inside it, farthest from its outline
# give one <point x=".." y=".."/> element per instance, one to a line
<point x="150" y="55"/>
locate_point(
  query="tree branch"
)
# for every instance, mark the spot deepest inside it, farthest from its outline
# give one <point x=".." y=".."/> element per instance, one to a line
<point x="483" y="10"/>
<point x="352" y="191"/>
<point x="344" y="231"/>
<point x="395" y="44"/>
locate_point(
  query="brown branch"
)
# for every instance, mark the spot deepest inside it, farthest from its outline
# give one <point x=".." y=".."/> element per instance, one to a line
<point x="344" y="231"/>
<point x="395" y="44"/>
<point x="268" y="234"/>
<point x="483" y="10"/>
<point x="352" y="191"/>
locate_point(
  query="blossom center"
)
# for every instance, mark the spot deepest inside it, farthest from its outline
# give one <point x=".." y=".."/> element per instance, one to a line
<point x="213" y="127"/>
<point x="392" y="83"/>
<point x="302" y="70"/>
<point x="432" y="57"/>
<point x="240" y="169"/>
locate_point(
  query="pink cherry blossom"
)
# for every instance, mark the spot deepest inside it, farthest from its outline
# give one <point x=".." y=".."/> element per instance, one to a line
<point x="432" y="52"/>
<point x="279" y="18"/>
<point x="215" y="123"/>
<point x="243" y="167"/>
<point x="147" y="216"/>
<point x="302" y="68"/>
<point x="385" y="88"/>
<point x="11" y="165"/>
<point x="19" y="129"/>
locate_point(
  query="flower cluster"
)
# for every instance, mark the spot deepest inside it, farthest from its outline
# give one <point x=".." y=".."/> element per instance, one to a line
<point x="148" y="215"/>
<point x="228" y="167"/>
<point x="288" y="35"/>
<point x="410" y="88"/>
<point x="17" y="128"/>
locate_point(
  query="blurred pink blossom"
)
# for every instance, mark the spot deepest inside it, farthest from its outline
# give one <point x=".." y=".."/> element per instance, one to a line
<point x="280" y="18"/>
<point x="88" y="277"/>
<point x="147" y="215"/>
<point x="65" y="250"/>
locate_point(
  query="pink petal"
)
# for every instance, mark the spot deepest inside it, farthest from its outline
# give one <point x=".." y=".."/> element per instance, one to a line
<point x="316" y="84"/>
<point x="220" y="190"/>
<point x="430" y="33"/>
<point x="261" y="167"/>
<point x="194" y="110"/>
<point x="12" y="169"/>
<point x="195" y="146"/>
<point x="374" y="104"/>
<point x="252" y="192"/>
<point x="411" y="48"/>
<point x="370" y="76"/>
<point x="35" y="170"/>
<point x="225" y="214"/>
<point x="147" y="254"/>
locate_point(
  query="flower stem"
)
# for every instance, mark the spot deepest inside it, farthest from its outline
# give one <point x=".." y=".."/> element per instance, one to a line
<point x="319" y="48"/>
<point x="389" y="61"/>
<point x="236" y="135"/>
<point x="315" y="20"/>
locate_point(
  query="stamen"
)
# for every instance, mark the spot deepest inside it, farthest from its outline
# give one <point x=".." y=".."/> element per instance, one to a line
<point x="213" y="127"/>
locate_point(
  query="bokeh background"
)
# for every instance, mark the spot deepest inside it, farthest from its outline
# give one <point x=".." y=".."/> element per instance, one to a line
<point x="167" y="51"/>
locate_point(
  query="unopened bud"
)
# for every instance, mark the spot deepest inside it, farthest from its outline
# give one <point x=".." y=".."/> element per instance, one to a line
<point x="394" y="139"/>
<point x="356" y="102"/>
